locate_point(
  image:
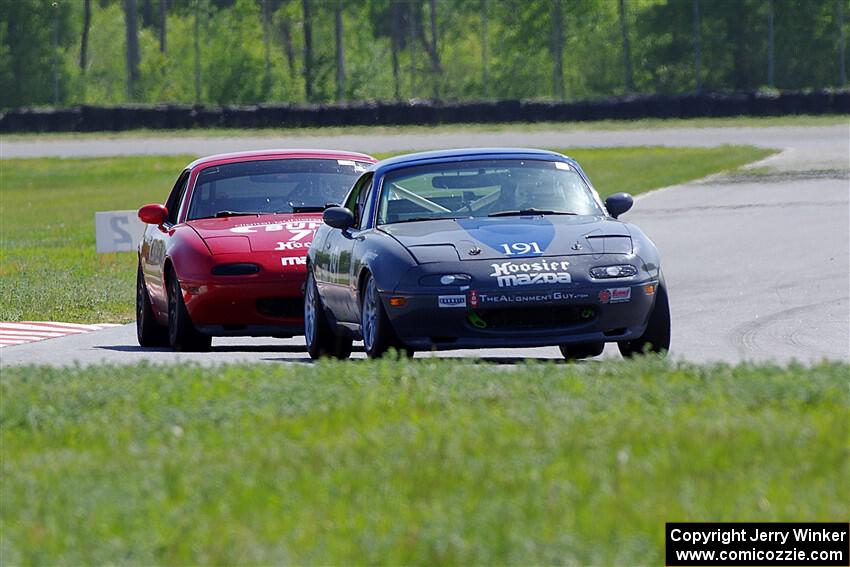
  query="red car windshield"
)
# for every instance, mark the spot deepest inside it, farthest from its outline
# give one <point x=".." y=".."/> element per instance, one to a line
<point x="272" y="186"/>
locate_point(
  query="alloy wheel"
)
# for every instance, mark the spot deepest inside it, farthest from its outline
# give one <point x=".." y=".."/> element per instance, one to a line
<point x="172" y="310"/>
<point x="310" y="311"/>
<point x="140" y="311"/>
<point x="369" y="316"/>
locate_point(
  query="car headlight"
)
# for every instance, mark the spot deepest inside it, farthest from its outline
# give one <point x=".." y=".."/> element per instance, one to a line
<point x="608" y="272"/>
<point x="435" y="280"/>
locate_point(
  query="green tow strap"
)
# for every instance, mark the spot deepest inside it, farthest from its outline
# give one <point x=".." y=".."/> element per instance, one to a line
<point x="476" y="320"/>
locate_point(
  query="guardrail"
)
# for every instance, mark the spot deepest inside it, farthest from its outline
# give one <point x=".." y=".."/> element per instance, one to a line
<point x="174" y="116"/>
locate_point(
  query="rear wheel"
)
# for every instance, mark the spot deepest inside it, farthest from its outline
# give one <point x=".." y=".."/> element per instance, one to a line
<point x="148" y="331"/>
<point x="182" y="334"/>
<point x="581" y="350"/>
<point x="656" y="337"/>
<point x="319" y="335"/>
<point x="378" y="333"/>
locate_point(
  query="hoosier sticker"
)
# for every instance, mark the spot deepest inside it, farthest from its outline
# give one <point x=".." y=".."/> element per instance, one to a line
<point x="292" y="245"/>
<point x="510" y="274"/>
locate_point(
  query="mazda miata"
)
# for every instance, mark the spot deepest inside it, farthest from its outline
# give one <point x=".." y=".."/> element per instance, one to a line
<point x="226" y="254"/>
<point x="482" y="248"/>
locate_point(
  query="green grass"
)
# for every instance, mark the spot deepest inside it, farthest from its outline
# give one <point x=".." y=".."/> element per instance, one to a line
<point x="731" y="122"/>
<point x="49" y="269"/>
<point x="409" y="462"/>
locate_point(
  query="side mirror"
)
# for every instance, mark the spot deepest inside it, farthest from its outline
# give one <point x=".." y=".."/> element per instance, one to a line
<point x="153" y="214"/>
<point x="338" y="217"/>
<point x="619" y="203"/>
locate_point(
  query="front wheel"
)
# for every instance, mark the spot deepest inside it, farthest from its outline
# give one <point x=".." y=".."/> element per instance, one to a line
<point x="656" y="337"/>
<point x="148" y="331"/>
<point x="318" y="332"/>
<point x="378" y="333"/>
<point x="182" y="334"/>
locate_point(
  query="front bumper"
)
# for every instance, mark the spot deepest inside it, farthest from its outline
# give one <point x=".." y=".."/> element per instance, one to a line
<point x="483" y="315"/>
<point x="246" y="308"/>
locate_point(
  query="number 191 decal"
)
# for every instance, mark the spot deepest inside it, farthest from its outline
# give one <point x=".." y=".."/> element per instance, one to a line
<point x="519" y="248"/>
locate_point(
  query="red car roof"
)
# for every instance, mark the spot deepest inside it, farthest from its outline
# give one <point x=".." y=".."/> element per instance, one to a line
<point x="279" y="154"/>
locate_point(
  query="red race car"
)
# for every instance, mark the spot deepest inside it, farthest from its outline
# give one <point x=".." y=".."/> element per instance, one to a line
<point x="226" y="254"/>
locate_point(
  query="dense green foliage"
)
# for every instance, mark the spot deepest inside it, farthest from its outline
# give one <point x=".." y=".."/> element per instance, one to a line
<point x="409" y="462"/>
<point x="47" y="229"/>
<point x="481" y="49"/>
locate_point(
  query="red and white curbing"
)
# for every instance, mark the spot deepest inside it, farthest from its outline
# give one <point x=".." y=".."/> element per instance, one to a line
<point x="23" y="332"/>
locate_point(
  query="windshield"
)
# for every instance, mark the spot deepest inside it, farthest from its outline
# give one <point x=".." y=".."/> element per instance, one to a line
<point x="484" y="188"/>
<point x="272" y="186"/>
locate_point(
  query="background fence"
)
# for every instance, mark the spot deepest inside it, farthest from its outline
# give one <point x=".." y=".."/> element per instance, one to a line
<point x="113" y="118"/>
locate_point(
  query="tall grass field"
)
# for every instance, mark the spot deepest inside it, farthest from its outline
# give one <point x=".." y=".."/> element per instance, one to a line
<point x="409" y="462"/>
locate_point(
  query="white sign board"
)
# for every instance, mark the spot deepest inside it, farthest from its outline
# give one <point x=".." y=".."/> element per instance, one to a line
<point x="118" y="231"/>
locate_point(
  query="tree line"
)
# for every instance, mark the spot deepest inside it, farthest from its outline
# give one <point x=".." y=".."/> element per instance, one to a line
<point x="65" y="52"/>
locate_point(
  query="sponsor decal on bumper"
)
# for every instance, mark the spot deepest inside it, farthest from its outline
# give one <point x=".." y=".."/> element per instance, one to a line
<point x="451" y="301"/>
<point x="521" y="298"/>
<point x="615" y="295"/>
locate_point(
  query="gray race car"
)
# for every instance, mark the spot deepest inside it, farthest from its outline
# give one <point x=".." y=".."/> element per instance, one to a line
<point x="482" y="248"/>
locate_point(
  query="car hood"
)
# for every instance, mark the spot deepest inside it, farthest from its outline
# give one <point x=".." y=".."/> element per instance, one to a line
<point x="500" y="237"/>
<point x="288" y="234"/>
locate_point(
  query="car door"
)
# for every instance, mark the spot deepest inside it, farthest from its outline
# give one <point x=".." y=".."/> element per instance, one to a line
<point x="338" y="248"/>
<point x="155" y="243"/>
<point x="357" y="249"/>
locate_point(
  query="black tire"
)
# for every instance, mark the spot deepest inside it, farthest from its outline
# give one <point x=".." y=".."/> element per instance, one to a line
<point x="581" y="350"/>
<point x="378" y="333"/>
<point x="656" y="338"/>
<point x="319" y="335"/>
<point x="148" y="331"/>
<point x="182" y="334"/>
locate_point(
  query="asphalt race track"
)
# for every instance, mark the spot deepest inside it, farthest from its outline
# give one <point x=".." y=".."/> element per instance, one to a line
<point x="758" y="266"/>
<point x="809" y="148"/>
